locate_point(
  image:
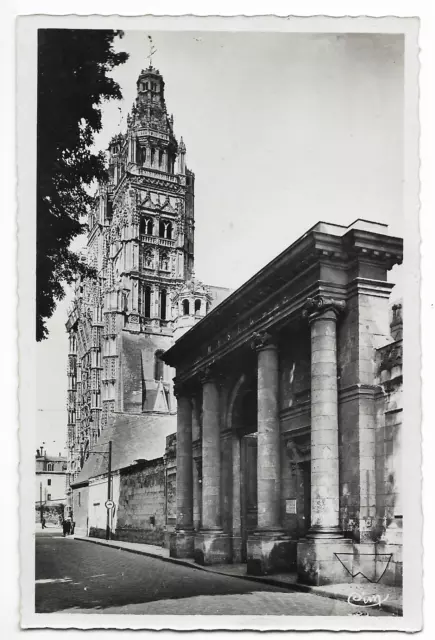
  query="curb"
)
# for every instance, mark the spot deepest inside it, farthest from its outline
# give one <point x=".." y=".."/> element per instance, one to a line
<point x="269" y="580"/>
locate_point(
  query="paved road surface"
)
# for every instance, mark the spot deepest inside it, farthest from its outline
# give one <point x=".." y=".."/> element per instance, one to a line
<point x="75" y="576"/>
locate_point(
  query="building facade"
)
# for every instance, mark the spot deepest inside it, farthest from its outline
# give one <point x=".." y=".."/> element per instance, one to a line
<point x="289" y="415"/>
<point x="51" y="482"/>
<point x="144" y="294"/>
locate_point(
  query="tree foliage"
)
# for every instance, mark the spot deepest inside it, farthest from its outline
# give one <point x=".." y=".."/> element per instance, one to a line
<point x="73" y="82"/>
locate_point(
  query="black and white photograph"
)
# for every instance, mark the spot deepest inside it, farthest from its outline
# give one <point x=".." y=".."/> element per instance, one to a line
<point x="219" y="269"/>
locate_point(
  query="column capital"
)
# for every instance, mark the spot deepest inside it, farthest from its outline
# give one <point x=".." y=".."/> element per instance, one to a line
<point x="317" y="306"/>
<point x="209" y="374"/>
<point x="262" y="340"/>
<point x="180" y="389"/>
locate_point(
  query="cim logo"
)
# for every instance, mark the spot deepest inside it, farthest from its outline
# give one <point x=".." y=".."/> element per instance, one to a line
<point x="369" y="600"/>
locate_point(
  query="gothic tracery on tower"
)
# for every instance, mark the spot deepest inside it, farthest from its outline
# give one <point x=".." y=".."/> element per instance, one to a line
<point x="141" y="244"/>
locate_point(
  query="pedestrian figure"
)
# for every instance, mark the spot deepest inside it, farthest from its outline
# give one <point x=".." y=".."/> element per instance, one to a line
<point x="43" y="523"/>
<point x="64" y="527"/>
<point x="73" y="524"/>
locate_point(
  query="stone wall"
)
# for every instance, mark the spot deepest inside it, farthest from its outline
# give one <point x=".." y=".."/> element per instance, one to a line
<point x="388" y="430"/>
<point x="80" y="496"/>
<point x="97" y="512"/>
<point x="146" y="503"/>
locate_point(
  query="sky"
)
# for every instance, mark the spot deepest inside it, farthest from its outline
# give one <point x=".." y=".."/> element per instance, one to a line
<point x="282" y="130"/>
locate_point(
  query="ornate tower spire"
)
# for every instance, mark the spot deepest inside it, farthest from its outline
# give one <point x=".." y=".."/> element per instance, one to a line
<point x="157" y="147"/>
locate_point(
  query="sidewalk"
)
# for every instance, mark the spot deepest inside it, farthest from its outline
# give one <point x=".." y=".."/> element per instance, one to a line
<point x="390" y="598"/>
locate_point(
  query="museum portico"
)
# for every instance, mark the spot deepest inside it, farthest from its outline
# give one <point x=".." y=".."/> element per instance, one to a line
<point x="281" y="448"/>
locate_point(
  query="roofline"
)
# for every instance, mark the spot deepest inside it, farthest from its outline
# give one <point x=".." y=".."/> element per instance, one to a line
<point x="81" y="483"/>
<point x="353" y="236"/>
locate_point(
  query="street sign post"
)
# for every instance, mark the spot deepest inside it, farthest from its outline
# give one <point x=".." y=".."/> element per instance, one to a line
<point x="109" y="504"/>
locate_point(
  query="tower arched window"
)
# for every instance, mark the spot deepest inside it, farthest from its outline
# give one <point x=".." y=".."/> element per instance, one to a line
<point x="146" y="226"/>
<point x="197" y="306"/>
<point x="186" y="307"/>
<point x="147" y="302"/>
<point x="165" y="229"/>
<point x="158" y="365"/>
<point x="163" y="299"/>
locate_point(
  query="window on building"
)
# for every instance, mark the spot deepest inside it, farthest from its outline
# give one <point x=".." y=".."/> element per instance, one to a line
<point x="160" y="157"/>
<point x="158" y="365"/>
<point x="146" y="86"/>
<point x="147" y="302"/>
<point x="153" y="153"/>
<point x="186" y="307"/>
<point x="165" y="229"/>
<point x="48" y="496"/>
<point x="50" y="466"/>
<point x="197" y="306"/>
<point x="163" y="298"/>
<point x="146" y="227"/>
<point x="79" y="499"/>
<point x="49" y="482"/>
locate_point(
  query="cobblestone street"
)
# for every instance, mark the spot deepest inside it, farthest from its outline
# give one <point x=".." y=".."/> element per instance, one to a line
<point x="74" y="576"/>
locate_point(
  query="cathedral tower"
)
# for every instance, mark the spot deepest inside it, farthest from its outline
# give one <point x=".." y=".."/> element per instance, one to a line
<point x="141" y="245"/>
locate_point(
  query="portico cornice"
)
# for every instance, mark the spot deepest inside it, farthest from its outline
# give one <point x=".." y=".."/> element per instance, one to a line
<point x="275" y="296"/>
<point x="252" y="329"/>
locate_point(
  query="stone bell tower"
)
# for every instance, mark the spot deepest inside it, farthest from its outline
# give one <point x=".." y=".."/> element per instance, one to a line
<point x="141" y="245"/>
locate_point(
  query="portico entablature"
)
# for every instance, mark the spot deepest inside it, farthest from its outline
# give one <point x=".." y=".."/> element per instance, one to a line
<point x="318" y="264"/>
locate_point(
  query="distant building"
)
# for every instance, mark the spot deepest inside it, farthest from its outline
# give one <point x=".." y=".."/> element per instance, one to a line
<point x="144" y="294"/>
<point x="51" y="475"/>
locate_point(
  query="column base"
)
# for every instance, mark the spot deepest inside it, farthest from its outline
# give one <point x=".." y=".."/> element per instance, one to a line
<point x="325" y="533"/>
<point x="394" y="532"/>
<point x="324" y="561"/>
<point x="270" y="552"/>
<point x="181" y="543"/>
<point x="237" y="552"/>
<point x="212" y="546"/>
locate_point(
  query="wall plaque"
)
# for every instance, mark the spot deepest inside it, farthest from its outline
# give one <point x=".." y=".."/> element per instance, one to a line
<point x="290" y="506"/>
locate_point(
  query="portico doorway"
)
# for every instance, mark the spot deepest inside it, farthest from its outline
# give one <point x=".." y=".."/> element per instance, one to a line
<point x="248" y="489"/>
<point x="243" y="417"/>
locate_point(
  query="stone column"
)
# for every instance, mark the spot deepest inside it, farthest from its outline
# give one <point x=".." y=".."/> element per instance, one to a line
<point x="269" y="550"/>
<point x="322" y="315"/>
<point x="317" y="555"/>
<point x="181" y="543"/>
<point x="268" y="490"/>
<point x="211" y="544"/>
<point x="211" y="466"/>
<point x="147" y="156"/>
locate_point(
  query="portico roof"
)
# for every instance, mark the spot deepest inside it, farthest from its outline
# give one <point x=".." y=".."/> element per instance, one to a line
<point x="324" y="243"/>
